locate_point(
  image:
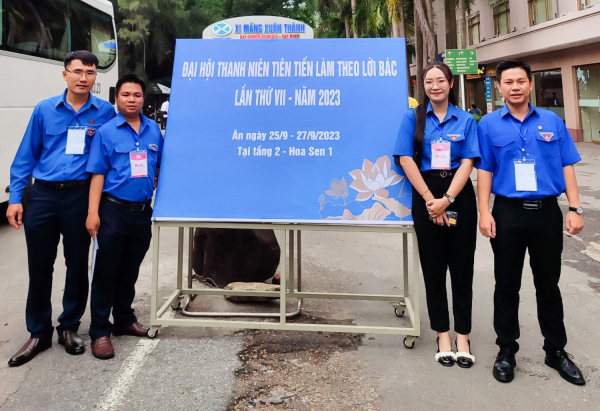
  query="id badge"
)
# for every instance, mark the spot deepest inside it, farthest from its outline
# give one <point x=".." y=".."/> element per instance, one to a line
<point x="76" y="140"/>
<point x="440" y="155"/>
<point x="525" y="177"/>
<point x="139" y="163"/>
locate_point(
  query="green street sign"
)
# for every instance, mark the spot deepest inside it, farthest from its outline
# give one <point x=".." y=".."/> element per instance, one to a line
<point x="462" y="61"/>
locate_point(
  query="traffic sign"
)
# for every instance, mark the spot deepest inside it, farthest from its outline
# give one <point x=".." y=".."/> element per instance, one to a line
<point x="462" y="61"/>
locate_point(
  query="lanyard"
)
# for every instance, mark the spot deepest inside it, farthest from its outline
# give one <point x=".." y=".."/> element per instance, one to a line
<point x="438" y="128"/>
<point x="136" y="136"/>
<point x="522" y="135"/>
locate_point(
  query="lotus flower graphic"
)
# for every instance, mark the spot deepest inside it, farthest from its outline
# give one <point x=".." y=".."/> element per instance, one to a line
<point x="373" y="179"/>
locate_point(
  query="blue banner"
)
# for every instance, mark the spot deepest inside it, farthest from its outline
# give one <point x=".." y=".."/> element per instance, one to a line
<point x="285" y="131"/>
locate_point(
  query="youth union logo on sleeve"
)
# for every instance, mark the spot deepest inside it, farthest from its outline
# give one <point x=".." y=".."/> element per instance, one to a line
<point x="221" y="29"/>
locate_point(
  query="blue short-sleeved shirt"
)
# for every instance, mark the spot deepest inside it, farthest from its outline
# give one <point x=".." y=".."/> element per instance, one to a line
<point x="458" y="127"/>
<point x="42" y="150"/>
<point x="109" y="156"/>
<point x="547" y="141"/>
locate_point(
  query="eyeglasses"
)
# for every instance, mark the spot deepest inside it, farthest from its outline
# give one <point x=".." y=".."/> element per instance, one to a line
<point x="80" y="73"/>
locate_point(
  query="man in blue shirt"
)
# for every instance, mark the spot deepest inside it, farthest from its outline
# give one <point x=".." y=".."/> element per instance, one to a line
<point x="125" y="160"/>
<point x="527" y="158"/>
<point x="54" y="151"/>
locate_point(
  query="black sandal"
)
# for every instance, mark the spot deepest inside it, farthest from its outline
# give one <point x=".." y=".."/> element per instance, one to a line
<point x="463" y="359"/>
<point x="445" y="358"/>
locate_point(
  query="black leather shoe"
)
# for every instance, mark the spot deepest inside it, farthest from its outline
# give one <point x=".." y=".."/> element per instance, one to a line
<point x="560" y="360"/>
<point x="31" y="348"/>
<point x="445" y="358"/>
<point x="504" y="367"/>
<point x="73" y="343"/>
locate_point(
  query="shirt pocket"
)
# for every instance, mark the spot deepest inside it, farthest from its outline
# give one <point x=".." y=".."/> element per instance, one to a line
<point x="505" y="146"/>
<point x="548" y="147"/>
<point x="120" y="158"/>
<point x="55" y="137"/>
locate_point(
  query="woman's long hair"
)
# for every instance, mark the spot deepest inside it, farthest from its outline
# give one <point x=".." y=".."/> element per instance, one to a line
<point x="421" y="111"/>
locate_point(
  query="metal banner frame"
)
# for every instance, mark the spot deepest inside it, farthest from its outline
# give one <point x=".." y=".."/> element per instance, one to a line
<point x="290" y="286"/>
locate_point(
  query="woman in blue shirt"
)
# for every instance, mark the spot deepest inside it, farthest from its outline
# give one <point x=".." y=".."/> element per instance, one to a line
<point x="436" y="147"/>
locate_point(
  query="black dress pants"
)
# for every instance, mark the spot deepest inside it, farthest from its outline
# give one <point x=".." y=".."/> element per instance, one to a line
<point x="442" y="248"/>
<point x="53" y="212"/>
<point x="123" y="240"/>
<point x="540" y="232"/>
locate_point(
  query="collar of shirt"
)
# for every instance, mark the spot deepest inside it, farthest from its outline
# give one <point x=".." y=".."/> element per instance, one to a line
<point x="504" y="111"/>
<point x="120" y="120"/>
<point x="452" y="112"/>
<point x="92" y="101"/>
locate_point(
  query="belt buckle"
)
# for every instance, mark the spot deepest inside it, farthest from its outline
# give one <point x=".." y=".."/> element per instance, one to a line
<point x="531" y="205"/>
<point x="443" y="173"/>
<point x="138" y="207"/>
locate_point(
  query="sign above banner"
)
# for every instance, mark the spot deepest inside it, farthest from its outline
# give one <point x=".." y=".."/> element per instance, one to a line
<point x="272" y="131"/>
<point x="258" y="27"/>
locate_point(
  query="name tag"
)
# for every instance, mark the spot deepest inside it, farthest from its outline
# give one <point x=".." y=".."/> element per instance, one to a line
<point x="525" y="177"/>
<point x="139" y="163"/>
<point x="440" y="155"/>
<point x="75" y="140"/>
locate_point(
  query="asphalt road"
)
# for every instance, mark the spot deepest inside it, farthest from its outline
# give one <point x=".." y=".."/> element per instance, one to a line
<point x="213" y="369"/>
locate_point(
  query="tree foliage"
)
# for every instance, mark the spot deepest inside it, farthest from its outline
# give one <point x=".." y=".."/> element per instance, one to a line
<point x="147" y="29"/>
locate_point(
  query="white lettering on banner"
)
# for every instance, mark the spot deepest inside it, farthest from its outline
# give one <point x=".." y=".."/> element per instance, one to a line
<point x="388" y="68"/>
<point x="348" y="68"/>
<point x="245" y="97"/>
<point x="325" y="69"/>
<point x="232" y="69"/>
<point x="207" y="69"/>
<point x="370" y="69"/>
<point x="280" y="97"/>
<point x="189" y="69"/>
<point x="263" y="97"/>
<point x="303" y="68"/>
<point x="305" y="97"/>
<point x="282" y="68"/>
<point x="258" y="68"/>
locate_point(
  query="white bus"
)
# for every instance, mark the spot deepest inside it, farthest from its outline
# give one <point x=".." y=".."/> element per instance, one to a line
<point x="35" y="37"/>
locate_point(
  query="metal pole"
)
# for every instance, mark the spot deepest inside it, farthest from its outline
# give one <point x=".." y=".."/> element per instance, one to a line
<point x="462" y="91"/>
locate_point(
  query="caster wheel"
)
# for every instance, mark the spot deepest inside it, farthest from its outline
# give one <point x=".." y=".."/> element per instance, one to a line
<point x="399" y="312"/>
<point x="408" y="344"/>
<point x="152" y="332"/>
<point x="176" y="306"/>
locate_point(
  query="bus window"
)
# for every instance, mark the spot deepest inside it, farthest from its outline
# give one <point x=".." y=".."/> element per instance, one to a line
<point x="35" y="27"/>
<point x="52" y="28"/>
<point x="93" y="30"/>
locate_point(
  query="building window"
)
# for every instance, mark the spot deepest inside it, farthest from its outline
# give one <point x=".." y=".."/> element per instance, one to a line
<point x="501" y="18"/>
<point x="588" y="3"/>
<point x="539" y="11"/>
<point x="474" y="29"/>
<point x="548" y="92"/>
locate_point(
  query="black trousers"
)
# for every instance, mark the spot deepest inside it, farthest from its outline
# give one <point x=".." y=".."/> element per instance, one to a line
<point x="123" y="240"/>
<point x="442" y="248"/>
<point x="51" y="213"/>
<point x="539" y="232"/>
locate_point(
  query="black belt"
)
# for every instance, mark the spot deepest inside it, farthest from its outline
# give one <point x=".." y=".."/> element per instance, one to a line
<point x="64" y="184"/>
<point x="528" y="204"/>
<point x="136" y="207"/>
<point x="439" y="173"/>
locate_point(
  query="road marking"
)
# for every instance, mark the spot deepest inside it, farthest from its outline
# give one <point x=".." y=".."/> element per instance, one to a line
<point x="126" y="375"/>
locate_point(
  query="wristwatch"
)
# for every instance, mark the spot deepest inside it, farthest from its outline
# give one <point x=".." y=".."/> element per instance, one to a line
<point x="577" y="210"/>
<point x="449" y="197"/>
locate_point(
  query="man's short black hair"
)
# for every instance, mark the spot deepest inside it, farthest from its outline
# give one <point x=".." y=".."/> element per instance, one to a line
<point x="473" y="105"/>
<point x="131" y="78"/>
<point x="86" y="57"/>
<point x="511" y="64"/>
